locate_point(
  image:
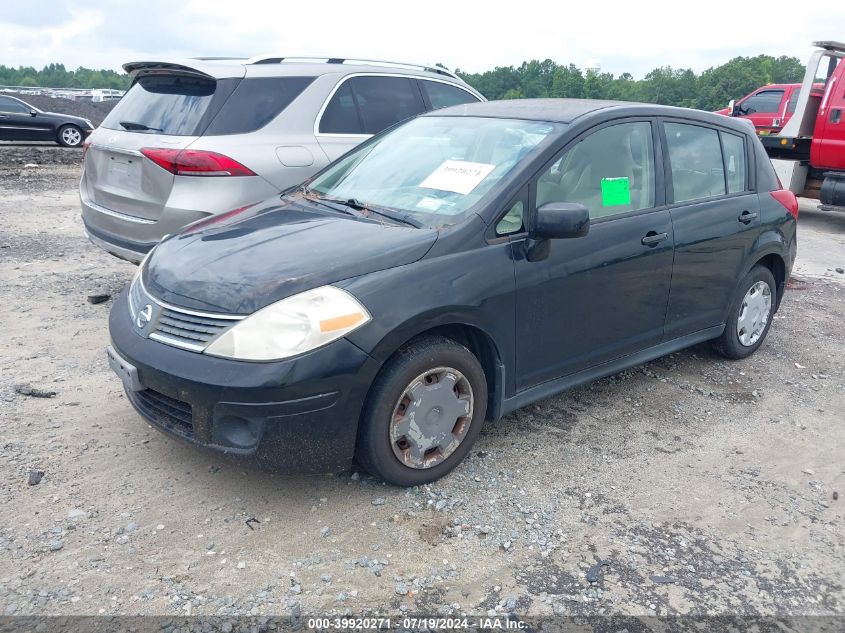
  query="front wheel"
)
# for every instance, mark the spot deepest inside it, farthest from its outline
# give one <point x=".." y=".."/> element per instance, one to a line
<point x="70" y="136"/>
<point x="750" y="315"/>
<point x="423" y="413"/>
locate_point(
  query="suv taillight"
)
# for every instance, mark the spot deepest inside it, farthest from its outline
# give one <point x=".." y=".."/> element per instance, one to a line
<point x="85" y="145"/>
<point x="194" y="162"/>
<point x="788" y="200"/>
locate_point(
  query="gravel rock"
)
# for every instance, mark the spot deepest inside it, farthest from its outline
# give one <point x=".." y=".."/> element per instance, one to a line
<point x="35" y="477"/>
<point x="34" y="392"/>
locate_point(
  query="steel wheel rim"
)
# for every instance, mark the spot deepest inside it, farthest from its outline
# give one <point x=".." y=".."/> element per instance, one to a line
<point x="71" y="136"/>
<point x="431" y="417"/>
<point x="754" y="313"/>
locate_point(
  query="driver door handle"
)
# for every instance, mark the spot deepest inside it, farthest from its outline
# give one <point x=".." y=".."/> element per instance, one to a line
<point x="746" y="216"/>
<point x="653" y="238"/>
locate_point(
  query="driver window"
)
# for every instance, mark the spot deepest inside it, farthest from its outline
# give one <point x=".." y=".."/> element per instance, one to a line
<point x="611" y="171"/>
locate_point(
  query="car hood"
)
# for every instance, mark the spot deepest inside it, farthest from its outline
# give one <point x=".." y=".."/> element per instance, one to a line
<point x="246" y="259"/>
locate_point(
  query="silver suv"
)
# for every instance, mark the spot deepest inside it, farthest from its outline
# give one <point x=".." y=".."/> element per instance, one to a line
<point x="200" y="137"/>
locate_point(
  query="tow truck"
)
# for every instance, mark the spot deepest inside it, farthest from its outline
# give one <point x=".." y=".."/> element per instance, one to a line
<point x="808" y="152"/>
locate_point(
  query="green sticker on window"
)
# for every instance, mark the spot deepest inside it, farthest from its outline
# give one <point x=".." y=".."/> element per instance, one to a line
<point x="615" y="192"/>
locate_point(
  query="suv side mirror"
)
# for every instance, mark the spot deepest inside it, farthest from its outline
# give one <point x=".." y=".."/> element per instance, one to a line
<point x="558" y="220"/>
<point x="33" y="112"/>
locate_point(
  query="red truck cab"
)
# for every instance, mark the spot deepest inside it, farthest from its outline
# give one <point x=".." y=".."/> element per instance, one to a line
<point x="770" y="107"/>
<point x="827" y="150"/>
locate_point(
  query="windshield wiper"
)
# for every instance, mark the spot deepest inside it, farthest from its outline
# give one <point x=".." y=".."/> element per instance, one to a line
<point x="318" y="199"/>
<point x="132" y="125"/>
<point x="338" y="204"/>
<point x="354" y="203"/>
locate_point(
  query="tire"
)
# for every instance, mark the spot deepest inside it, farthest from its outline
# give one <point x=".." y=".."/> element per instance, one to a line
<point x="70" y="136"/>
<point x="403" y="458"/>
<point x="738" y="340"/>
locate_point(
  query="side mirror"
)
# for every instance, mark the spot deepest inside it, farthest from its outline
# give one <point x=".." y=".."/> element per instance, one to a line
<point x="731" y="108"/>
<point x="33" y="112"/>
<point x="558" y="220"/>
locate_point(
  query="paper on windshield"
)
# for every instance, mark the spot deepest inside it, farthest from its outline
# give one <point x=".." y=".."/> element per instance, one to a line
<point x="457" y="176"/>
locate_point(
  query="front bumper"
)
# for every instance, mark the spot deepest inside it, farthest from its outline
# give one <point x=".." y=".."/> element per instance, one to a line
<point x="296" y="415"/>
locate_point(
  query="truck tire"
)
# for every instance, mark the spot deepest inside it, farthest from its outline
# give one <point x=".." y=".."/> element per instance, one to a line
<point x="832" y="195"/>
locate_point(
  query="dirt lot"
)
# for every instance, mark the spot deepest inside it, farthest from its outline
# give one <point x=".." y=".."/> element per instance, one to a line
<point x="708" y="487"/>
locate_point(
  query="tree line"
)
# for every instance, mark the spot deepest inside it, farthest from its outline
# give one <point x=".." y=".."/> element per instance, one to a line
<point x="710" y="90"/>
<point x="57" y="76"/>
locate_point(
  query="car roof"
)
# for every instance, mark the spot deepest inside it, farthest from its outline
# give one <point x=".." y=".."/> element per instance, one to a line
<point x="228" y="67"/>
<point x="570" y="110"/>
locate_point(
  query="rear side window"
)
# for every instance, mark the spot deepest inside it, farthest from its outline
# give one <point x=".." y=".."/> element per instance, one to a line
<point x="793" y="101"/>
<point x="733" y="153"/>
<point x="164" y="104"/>
<point x="764" y="101"/>
<point x="379" y="101"/>
<point x="442" y="95"/>
<point x="255" y="102"/>
<point x="696" y="158"/>
<point x="341" y="115"/>
<point x="10" y="105"/>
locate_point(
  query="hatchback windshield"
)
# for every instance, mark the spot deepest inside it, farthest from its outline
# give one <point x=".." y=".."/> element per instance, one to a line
<point x="434" y="168"/>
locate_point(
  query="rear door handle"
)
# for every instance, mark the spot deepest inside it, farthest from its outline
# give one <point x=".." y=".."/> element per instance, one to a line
<point x="746" y="216"/>
<point x="653" y="238"/>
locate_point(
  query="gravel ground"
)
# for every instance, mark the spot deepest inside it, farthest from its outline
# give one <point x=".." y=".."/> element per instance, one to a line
<point x="689" y="485"/>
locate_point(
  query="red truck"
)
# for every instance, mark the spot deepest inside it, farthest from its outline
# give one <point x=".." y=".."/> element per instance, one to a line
<point x="770" y="107"/>
<point x="806" y="142"/>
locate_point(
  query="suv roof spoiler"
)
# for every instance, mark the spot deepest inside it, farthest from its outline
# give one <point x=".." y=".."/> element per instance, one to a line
<point x="206" y="67"/>
<point x="278" y="59"/>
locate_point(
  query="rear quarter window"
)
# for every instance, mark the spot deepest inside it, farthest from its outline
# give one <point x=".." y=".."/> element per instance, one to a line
<point x="255" y="102"/>
<point x="442" y="95"/>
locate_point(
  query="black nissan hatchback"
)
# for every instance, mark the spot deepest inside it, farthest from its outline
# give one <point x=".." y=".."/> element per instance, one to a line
<point x="450" y="270"/>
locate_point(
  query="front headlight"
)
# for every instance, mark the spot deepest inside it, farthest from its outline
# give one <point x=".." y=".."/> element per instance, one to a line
<point x="292" y="326"/>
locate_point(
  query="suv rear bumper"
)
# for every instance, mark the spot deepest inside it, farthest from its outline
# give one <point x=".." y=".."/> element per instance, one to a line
<point x="131" y="237"/>
<point x="124" y="249"/>
<point x="126" y="236"/>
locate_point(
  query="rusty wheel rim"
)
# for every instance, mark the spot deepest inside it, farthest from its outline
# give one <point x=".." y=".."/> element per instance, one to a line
<point x="431" y="417"/>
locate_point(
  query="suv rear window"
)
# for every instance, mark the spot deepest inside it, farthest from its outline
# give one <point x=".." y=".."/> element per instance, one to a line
<point x="255" y="102"/>
<point x="164" y="104"/>
<point x="184" y="106"/>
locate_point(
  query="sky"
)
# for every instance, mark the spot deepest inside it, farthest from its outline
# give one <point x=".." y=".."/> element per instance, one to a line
<point x="633" y="36"/>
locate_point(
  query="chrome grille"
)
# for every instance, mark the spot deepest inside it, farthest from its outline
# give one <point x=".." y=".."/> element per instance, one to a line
<point x="187" y="329"/>
<point x="173" y="325"/>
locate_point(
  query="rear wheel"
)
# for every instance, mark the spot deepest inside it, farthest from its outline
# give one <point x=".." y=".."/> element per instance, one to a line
<point x="70" y="136"/>
<point x="750" y="315"/>
<point x="423" y="413"/>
